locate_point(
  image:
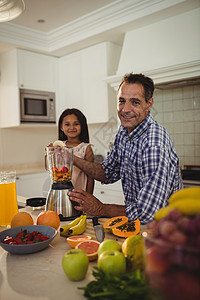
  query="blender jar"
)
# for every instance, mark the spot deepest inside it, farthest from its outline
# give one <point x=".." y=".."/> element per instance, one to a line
<point x="60" y="164"/>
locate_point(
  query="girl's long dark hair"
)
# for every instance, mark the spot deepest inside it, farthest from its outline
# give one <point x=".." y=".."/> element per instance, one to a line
<point x="84" y="135"/>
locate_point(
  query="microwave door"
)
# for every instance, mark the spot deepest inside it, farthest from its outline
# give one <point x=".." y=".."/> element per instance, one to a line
<point x="34" y="109"/>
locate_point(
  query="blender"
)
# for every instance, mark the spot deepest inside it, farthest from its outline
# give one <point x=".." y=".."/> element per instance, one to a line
<point x="60" y="163"/>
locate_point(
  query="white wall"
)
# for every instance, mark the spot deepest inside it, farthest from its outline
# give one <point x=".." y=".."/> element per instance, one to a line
<point x="172" y="41"/>
<point x="23" y="148"/>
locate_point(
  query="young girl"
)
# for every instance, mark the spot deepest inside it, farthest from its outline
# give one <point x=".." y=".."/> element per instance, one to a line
<point x="73" y="130"/>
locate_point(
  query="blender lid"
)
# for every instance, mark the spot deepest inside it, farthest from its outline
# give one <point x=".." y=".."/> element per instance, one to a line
<point x="35" y="202"/>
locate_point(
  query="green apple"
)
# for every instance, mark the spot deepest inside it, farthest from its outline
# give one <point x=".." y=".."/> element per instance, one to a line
<point x="75" y="264"/>
<point x="108" y="245"/>
<point x="112" y="262"/>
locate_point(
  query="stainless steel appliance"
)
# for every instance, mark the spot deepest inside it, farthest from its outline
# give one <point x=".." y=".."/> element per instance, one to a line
<point x="60" y="164"/>
<point x="190" y="175"/>
<point x="37" y="106"/>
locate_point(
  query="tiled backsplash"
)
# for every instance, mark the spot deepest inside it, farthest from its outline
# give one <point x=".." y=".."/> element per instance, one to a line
<point x="178" y="110"/>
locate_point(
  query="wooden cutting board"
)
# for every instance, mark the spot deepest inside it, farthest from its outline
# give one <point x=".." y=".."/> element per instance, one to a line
<point x="108" y="236"/>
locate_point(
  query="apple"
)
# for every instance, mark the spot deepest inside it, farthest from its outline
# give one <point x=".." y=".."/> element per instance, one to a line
<point x="75" y="264"/>
<point x="112" y="262"/>
<point x="108" y="245"/>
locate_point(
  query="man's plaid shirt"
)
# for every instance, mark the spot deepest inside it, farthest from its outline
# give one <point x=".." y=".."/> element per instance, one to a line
<point x="147" y="164"/>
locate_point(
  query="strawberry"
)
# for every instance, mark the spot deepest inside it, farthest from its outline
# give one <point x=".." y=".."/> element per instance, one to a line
<point x="44" y="238"/>
<point x="19" y="241"/>
<point x="28" y="237"/>
<point x="64" y="169"/>
<point x="8" y="240"/>
<point x="20" y="234"/>
<point x="34" y="233"/>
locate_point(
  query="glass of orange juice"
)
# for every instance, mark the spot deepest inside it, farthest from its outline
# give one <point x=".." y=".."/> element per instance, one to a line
<point x="8" y="197"/>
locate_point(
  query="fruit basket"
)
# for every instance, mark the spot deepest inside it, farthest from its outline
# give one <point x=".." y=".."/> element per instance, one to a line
<point x="173" y="263"/>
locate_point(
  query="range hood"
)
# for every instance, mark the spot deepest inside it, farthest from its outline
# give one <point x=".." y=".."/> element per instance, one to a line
<point x="166" y="50"/>
<point x="178" y="83"/>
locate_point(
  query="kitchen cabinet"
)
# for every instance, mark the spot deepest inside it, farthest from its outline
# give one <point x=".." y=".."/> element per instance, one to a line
<point x="33" y="185"/>
<point x="36" y="71"/>
<point x="82" y="81"/>
<point x="23" y="69"/>
<point x="109" y="193"/>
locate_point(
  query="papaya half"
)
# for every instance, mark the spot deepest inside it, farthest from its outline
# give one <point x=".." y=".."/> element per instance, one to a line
<point x="127" y="229"/>
<point x="114" y="222"/>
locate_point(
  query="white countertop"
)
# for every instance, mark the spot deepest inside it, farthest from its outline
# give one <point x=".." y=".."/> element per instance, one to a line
<point x="39" y="275"/>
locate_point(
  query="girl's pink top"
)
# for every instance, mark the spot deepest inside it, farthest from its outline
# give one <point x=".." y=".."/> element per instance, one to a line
<point x="79" y="178"/>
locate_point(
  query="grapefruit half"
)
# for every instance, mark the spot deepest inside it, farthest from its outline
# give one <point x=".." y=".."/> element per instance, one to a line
<point x="90" y="248"/>
<point x="76" y="239"/>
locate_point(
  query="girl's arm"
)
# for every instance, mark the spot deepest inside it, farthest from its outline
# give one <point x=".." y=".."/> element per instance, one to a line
<point x="89" y="156"/>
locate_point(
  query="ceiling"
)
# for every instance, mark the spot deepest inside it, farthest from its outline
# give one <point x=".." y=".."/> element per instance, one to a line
<point x="44" y="16"/>
<point x="56" y="13"/>
<point x="59" y="27"/>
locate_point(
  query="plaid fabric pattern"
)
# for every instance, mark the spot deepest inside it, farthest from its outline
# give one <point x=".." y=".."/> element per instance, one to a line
<point x="147" y="164"/>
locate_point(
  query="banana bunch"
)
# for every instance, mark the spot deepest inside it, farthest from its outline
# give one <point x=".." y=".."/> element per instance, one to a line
<point x="76" y="227"/>
<point x="187" y="201"/>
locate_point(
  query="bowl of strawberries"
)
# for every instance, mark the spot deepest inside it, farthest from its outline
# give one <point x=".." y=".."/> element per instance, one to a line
<point x="27" y="239"/>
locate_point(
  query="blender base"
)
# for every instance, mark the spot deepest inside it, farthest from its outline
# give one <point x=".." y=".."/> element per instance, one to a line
<point x="58" y="201"/>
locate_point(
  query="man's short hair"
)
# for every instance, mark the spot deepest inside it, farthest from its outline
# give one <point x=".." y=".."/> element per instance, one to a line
<point x="145" y="81"/>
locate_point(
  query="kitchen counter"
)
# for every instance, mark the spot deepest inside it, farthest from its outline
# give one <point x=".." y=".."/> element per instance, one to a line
<point x="40" y="275"/>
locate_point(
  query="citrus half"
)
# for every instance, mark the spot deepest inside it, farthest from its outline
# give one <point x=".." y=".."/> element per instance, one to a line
<point x="76" y="239"/>
<point x="48" y="218"/>
<point x="22" y="218"/>
<point x="90" y="248"/>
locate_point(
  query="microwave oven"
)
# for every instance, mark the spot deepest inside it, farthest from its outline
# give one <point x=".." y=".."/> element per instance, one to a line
<point x="37" y="106"/>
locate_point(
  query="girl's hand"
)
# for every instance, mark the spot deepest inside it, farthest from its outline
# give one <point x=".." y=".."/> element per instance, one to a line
<point x="87" y="202"/>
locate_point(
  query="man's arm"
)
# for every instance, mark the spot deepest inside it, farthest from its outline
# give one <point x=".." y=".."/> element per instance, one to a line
<point x="92" y="169"/>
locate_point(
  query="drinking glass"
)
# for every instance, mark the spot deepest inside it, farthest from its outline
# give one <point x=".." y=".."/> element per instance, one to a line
<point x="8" y="197"/>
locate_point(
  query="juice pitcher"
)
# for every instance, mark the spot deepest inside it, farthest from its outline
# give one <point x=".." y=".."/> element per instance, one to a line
<point x="8" y="197"/>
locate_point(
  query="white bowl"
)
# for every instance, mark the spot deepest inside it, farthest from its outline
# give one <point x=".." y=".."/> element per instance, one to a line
<point x="27" y="248"/>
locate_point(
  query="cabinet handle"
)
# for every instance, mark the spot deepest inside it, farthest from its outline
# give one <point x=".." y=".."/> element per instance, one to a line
<point x="17" y="178"/>
<point x="102" y="192"/>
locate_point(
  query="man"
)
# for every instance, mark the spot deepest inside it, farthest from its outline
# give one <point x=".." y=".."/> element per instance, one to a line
<point x="143" y="157"/>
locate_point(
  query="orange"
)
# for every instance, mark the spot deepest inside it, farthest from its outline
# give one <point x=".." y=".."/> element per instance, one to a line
<point x="21" y="219"/>
<point x="90" y="248"/>
<point x="76" y="239"/>
<point x="48" y="218"/>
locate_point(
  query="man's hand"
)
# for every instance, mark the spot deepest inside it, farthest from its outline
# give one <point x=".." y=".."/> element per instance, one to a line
<point x="88" y="203"/>
<point x="93" y="207"/>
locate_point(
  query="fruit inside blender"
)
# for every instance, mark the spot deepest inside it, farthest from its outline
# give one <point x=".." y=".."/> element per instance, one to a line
<point x="63" y="174"/>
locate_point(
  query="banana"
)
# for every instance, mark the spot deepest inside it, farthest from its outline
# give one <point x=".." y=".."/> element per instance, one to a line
<point x="80" y="227"/>
<point x="58" y="143"/>
<point x="64" y="230"/>
<point x="188" y="207"/>
<point x="185" y="194"/>
<point x="163" y="212"/>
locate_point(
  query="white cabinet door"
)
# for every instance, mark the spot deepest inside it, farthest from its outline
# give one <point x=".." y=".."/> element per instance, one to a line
<point x="109" y="193"/>
<point x="33" y="185"/>
<point x="69" y="84"/>
<point x="94" y="88"/>
<point x="23" y="69"/>
<point x="9" y="91"/>
<point x="82" y="85"/>
<point x="37" y="71"/>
